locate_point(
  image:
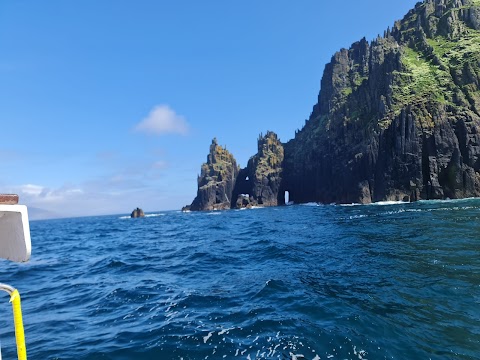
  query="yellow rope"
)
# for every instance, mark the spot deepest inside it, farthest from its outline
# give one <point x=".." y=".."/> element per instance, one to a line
<point x="17" y="319"/>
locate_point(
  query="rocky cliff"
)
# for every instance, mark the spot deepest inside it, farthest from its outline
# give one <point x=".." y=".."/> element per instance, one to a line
<point x="216" y="181"/>
<point x="137" y="213"/>
<point x="259" y="183"/>
<point x="397" y="118"/>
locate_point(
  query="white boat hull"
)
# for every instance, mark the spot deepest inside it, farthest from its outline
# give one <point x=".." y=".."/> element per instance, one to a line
<point x="15" y="242"/>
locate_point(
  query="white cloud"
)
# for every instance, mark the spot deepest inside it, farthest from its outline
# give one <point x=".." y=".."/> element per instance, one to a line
<point x="114" y="193"/>
<point x="163" y="120"/>
<point x="31" y="189"/>
<point x="41" y="195"/>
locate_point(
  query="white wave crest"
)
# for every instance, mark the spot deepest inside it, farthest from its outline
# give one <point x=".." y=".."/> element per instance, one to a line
<point x="154" y="215"/>
<point x="311" y="204"/>
<point x="448" y="201"/>
<point x="383" y="203"/>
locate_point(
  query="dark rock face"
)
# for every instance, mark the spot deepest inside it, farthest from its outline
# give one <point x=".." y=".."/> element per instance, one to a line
<point x="396" y="119"/>
<point x="244" y="201"/>
<point x="216" y="181"/>
<point x="262" y="178"/>
<point x="137" y="213"/>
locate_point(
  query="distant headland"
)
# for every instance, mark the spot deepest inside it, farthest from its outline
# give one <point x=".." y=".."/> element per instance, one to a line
<point x="397" y="118"/>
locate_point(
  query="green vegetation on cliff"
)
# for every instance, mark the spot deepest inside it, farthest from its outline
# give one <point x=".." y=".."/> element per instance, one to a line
<point x="270" y="156"/>
<point x="220" y="165"/>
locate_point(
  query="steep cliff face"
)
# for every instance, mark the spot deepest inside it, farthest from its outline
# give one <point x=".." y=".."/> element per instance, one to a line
<point x="216" y="181"/>
<point x="261" y="179"/>
<point x="396" y="119"/>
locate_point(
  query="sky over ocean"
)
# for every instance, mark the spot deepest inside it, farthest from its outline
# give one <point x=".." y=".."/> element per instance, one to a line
<point x="110" y="105"/>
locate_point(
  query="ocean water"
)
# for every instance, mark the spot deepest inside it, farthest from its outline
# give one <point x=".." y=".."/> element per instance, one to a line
<point x="385" y="281"/>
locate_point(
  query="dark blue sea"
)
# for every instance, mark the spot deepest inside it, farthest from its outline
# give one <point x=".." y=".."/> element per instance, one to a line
<point x="386" y="281"/>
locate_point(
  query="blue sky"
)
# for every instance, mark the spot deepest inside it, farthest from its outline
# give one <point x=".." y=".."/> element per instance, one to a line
<point x="106" y="105"/>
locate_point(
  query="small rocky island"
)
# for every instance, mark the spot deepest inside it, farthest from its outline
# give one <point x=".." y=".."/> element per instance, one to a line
<point x="397" y="118"/>
<point x="137" y="213"/>
<point x="216" y="181"/>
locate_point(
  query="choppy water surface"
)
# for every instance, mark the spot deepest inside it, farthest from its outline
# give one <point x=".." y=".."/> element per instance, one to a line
<point x="392" y="281"/>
